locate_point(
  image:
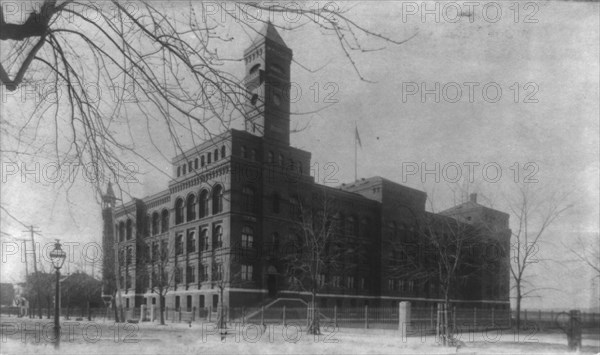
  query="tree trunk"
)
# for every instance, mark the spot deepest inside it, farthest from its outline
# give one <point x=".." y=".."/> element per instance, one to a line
<point x="161" y="303"/>
<point x="518" y="320"/>
<point x="314" y="326"/>
<point x="114" y="305"/>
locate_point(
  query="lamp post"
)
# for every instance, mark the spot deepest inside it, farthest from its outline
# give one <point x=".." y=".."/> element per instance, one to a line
<point x="57" y="256"/>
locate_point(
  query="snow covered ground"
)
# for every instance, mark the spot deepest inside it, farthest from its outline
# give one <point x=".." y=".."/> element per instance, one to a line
<point x="36" y="337"/>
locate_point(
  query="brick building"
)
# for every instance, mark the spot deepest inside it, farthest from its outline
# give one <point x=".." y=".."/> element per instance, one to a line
<point x="228" y="213"/>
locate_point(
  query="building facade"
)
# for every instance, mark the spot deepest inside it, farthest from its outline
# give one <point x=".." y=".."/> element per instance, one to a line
<point x="228" y="218"/>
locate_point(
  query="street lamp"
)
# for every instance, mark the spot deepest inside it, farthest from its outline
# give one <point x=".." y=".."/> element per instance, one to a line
<point x="57" y="256"/>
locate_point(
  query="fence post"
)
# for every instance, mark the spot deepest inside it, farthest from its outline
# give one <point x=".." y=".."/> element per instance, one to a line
<point x="403" y="318"/>
<point x="431" y="316"/>
<point x="453" y="319"/>
<point x="209" y="313"/>
<point x="335" y="324"/>
<point x="193" y="313"/>
<point x="437" y="323"/>
<point x="474" y="317"/>
<point x="525" y="316"/>
<point x="366" y="316"/>
<point x="284" y="315"/>
<point x="262" y="315"/>
<point x="493" y="317"/>
<point x="243" y="315"/>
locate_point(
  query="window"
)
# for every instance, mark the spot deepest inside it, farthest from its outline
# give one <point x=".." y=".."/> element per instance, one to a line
<point x="202" y="163"/>
<point x="244" y="154"/>
<point x="216" y="154"/>
<point x="350" y="282"/>
<point x="401" y="285"/>
<point x="178" y="171"/>
<point x="248" y="199"/>
<point x="191" y="208"/>
<point x="183" y="169"/>
<point x="253" y="155"/>
<point x="179" y="244"/>
<point x="280" y="160"/>
<point x="121" y="231"/>
<point x="190" y="166"/>
<point x="294" y="206"/>
<point x="203" y="204"/>
<point x="300" y="167"/>
<point x="188" y="303"/>
<point x="179" y="211"/>
<point x="247" y="237"/>
<point x="217" y="199"/>
<point x="155" y="223"/>
<point x="254" y="99"/>
<point x="178" y="277"/>
<point x="247" y="272"/>
<point x="335" y="281"/>
<point x="129" y="229"/>
<point x="191" y="241"/>
<point x="164" y="224"/>
<point x="271" y="158"/>
<point x="223" y="151"/>
<point x="321" y="280"/>
<point x="218" y="237"/>
<point x="411" y="286"/>
<point x="217" y="271"/>
<point x="208" y="158"/>
<point x="190" y="275"/>
<point x="148" y="225"/>
<point x="204" y="239"/>
<point x="255" y="68"/>
<point x="196" y="163"/>
<point x="203" y="272"/>
<point x="361" y="283"/>
<point x="275" y="202"/>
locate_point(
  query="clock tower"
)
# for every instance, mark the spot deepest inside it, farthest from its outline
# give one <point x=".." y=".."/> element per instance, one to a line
<point x="267" y="81"/>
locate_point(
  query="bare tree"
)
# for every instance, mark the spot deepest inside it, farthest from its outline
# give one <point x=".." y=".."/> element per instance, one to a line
<point x="81" y="51"/>
<point x="319" y="248"/>
<point x="587" y="252"/>
<point x="162" y="271"/>
<point x="532" y="217"/>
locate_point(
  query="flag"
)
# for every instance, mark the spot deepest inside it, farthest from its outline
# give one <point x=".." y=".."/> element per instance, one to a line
<point x="357" y="137"/>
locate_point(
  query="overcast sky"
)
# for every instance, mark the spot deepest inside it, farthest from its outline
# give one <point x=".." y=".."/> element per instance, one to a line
<point x="545" y="122"/>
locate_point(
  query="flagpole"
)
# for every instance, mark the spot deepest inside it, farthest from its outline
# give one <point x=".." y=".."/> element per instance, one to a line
<point x="355" y="153"/>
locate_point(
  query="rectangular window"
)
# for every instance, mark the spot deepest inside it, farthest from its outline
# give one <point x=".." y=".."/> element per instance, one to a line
<point x="350" y="282"/>
<point x="247" y="272"/>
<point x="179" y="244"/>
<point x="411" y="286"/>
<point x="191" y="241"/>
<point x="336" y="281"/>
<point x="247" y="237"/>
<point x="178" y="275"/>
<point x="190" y="275"/>
<point x="217" y="271"/>
<point x="390" y="284"/>
<point x="361" y="284"/>
<point x="321" y="280"/>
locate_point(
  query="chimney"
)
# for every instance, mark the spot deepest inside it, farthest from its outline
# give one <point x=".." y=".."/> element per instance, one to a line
<point x="473" y="198"/>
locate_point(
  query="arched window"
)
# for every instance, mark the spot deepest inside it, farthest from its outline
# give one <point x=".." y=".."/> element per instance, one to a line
<point x="190" y="165"/>
<point x="121" y="231"/>
<point x="208" y="158"/>
<point x="191" y="208"/>
<point x="243" y="152"/>
<point x="216" y="154"/>
<point x="253" y="155"/>
<point x="300" y="167"/>
<point x="254" y="68"/>
<point x="248" y="203"/>
<point x="183" y="168"/>
<point x="275" y="202"/>
<point x="164" y="223"/>
<point x="179" y="211"/>
<point x="129" y="227"/>
<point x="178" y="171"/>
<point x="280" y="160"/>
<point x="271" y="158"/>
<point x="223" y="152"/>
<point x="203" y="204"/>
<point x="217" y="199"/>
<point x="155" y="222"/>
<point x="196" y="163"/>
<point x="202" y="161"/>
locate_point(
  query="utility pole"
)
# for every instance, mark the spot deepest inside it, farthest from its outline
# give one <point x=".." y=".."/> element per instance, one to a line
<point x="35" y="270"/>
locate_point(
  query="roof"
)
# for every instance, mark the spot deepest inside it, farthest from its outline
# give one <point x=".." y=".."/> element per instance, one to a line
<point x="269" y="32"/>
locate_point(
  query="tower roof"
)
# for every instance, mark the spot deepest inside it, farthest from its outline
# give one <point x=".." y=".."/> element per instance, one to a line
<point x="109" y="190"/>
<point x="269" y="32"/>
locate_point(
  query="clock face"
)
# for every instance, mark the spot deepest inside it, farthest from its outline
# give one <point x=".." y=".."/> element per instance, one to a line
<point x="276" y="100"/>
